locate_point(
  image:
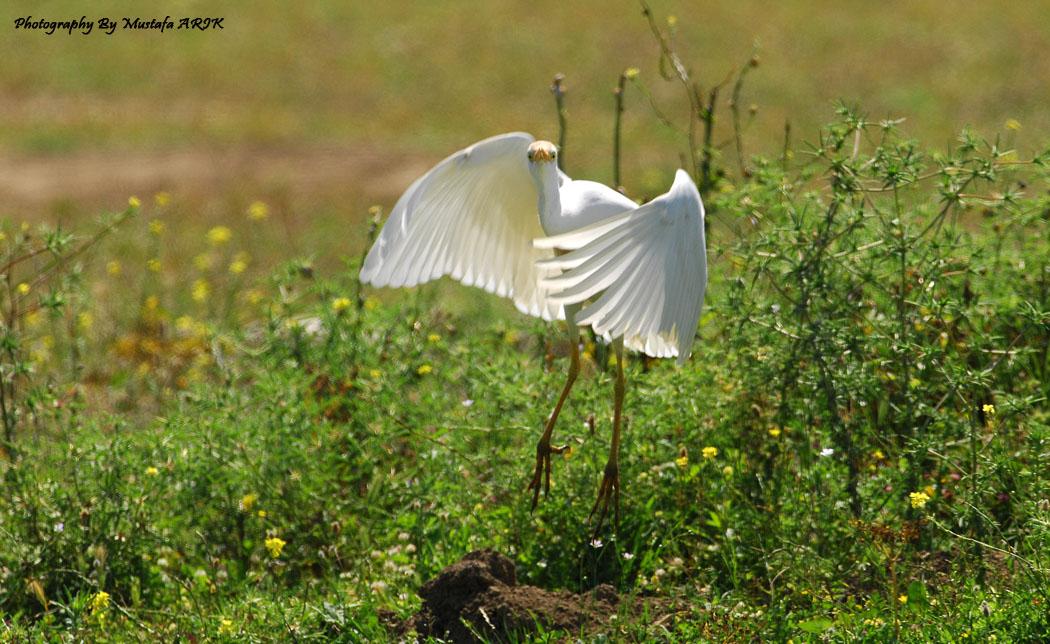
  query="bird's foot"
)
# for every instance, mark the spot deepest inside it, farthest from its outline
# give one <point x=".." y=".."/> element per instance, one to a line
<point x="610" y="488"/>
<point x="542" y="475"/>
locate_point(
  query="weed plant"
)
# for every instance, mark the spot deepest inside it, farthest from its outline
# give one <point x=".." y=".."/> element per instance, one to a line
<point x="856" y="452"/>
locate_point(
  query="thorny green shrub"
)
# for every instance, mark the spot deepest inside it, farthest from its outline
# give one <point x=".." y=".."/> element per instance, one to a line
<point x="887" y="318"/>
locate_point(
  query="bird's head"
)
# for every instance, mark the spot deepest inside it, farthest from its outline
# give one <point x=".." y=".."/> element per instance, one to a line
<point x="541" y="151"/>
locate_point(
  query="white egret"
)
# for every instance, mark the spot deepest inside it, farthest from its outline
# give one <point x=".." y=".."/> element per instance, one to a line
<point x="501" y="215"/>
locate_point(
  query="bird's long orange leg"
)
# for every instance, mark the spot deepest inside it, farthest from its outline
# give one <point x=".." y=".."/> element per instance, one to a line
<point x="611" y="478"/>
<point x="544" y="449"/>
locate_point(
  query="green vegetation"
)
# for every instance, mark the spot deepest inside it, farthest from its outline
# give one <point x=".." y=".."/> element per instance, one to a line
<point x="856" y="451"/>
<point x="207" y="439"/>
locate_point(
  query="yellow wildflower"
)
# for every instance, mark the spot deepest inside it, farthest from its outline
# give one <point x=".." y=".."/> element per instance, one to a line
<point x="162" y="198"/>
<point x="153" y="265"/>
<point x="113" y="268"/>
<point x="275" y="545"/>
<point x="878" y="454"/>
<point x="903" y="599"/>
<point x="775" y="432"/>
<point x="203" y="261"/>
<point x="988" y="409"/>
<point x="226" y="627"/>
<point x="253" y="296"/>
<point x="433" y="337"/>
<point x="340" y="305"/>
<point x="184" y="324"/>
<point x="248" y="502"/>
<point x="918" y="499"/>
<point x="85" y="320"/>
<point x="201" y="290"/>
<point x="1012" y="124"/>
<point x="709" y="452"/>
<point x="100" y="602"/>
<point x="258" y="211"/>
<point x="375" y="373"/>
<point x="727" y="471"/>
<point x="424" y="369"/>
<point x="219" y="235"/>
<point x="23" y="288"/>
<point x="134" y="202"/>
<point x="3" y="236"/>
<point x="682" y="461"/>
<point x="261" y="514"/>
<point x="152" y="471"/>
<point x="237" y="266"/>
<point x="631" y="73"/>
<point x="156" y="227"/>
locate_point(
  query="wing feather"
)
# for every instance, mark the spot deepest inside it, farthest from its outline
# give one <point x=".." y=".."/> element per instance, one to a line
<point x="582" y="236"/>
<point x="473" y="216"/>
<point x="648" y="272"/>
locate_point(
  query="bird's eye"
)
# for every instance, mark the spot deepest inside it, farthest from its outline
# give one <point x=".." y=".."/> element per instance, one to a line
<point x="554" y="155"/>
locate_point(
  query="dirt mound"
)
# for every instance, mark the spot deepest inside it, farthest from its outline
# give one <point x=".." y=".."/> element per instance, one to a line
<point x="482" y="589"/>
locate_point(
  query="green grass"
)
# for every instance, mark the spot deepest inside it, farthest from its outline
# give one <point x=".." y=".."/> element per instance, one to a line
<point x="871" y="375"/>
<point x="872" y="368"/>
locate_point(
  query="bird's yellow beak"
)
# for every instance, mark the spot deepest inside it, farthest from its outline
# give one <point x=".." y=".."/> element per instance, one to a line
<point x="543" y="151"/>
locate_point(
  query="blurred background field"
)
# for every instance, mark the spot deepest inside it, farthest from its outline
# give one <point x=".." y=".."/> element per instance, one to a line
<point x="342" y="103"/>
<point x="205" y="414"/>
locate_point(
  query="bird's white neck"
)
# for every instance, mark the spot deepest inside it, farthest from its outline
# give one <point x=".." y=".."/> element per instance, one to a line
<point x="545" y="175"/>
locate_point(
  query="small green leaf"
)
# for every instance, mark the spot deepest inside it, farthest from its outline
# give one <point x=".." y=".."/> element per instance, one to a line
<point x="816" y="625"/>
<point x="916" y="593"/>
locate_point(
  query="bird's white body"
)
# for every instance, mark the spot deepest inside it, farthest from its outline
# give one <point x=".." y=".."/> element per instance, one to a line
<point x="565" y="205"/>
<point x="491" y="216"/>
<point x="494" y="214"/>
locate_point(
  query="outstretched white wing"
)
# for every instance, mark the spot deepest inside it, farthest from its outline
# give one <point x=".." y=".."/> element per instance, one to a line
<point x="473" y="216"/>
<point x="650" y="267"/>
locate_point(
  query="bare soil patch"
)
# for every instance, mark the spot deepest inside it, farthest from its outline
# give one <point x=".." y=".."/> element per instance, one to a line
<point x="482" y="590"/>
<point x="34" y="184"/>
